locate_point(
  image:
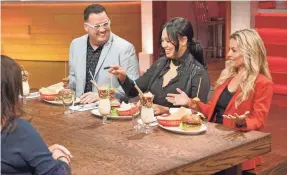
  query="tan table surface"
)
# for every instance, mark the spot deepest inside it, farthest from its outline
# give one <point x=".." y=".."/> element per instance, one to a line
<point x="117" y="149"/>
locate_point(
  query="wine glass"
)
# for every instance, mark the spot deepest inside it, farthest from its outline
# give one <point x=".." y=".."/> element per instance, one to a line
<point x="104" y="102"/>
<point x="67" y="97"/>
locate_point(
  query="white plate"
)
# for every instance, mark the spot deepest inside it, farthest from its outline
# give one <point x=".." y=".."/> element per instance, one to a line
<point x="180" y="131"/>
<point x="97" y="113"/>
<point x="61" y="103"/>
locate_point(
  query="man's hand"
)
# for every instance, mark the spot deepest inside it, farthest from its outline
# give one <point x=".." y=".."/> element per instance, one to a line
<point x="119" y="72"/>
<point x="89" y="97"/>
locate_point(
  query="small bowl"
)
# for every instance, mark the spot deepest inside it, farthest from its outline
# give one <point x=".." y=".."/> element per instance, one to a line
<point x="48" y="97"/>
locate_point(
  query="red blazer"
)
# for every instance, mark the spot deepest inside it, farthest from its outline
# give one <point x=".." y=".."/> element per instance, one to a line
<point x="258" y="103"/>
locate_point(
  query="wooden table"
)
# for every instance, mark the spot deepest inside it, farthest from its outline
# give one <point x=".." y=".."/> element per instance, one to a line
<point x="117" y="149"/>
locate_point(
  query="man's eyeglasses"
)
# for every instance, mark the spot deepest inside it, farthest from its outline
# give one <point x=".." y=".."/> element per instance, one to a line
<point x="105" y="25"/>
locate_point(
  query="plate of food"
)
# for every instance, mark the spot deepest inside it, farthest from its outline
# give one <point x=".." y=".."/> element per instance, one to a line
<point x="173" y="118"/>
<point x="123" y="112"/>
<point x="60" y="102"/>
<point x="54" y="94"/>
<point x="183" y="121"/>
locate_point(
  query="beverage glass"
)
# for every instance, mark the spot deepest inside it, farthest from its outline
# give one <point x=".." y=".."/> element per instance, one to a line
<point x="104" y="102"/>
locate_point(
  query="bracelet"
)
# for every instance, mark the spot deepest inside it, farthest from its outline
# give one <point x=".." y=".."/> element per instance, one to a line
<point x="241" y="126"/>
<point x="65" y="158"/>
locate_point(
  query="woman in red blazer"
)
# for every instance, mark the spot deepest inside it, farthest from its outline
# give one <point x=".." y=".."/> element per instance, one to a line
<point x="244" y="90"/>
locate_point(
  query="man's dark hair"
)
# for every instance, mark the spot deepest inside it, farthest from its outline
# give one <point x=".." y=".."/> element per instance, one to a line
<point x="94" y="8"/>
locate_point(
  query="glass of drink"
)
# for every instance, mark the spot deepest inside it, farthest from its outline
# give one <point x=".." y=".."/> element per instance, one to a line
<point x="146" y="111"/>
<point x="104" y="102"/>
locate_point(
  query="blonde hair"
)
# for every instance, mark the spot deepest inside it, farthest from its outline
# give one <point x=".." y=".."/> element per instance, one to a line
<point x="252" y="49"/>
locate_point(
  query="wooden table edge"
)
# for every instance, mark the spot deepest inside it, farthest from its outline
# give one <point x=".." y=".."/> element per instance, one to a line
<point x="256" y="148"/>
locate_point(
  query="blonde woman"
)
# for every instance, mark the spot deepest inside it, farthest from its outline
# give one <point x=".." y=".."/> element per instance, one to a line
<point x="244" y="90"/>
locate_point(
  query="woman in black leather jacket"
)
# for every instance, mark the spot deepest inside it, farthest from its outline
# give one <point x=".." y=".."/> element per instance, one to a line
<point x="180" y="68"/>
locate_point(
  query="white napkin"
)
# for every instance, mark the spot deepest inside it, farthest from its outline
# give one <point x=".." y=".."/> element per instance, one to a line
<point x="84" y="107"/>
<point x="154" y="123"/>
<point x="33" y="95"/>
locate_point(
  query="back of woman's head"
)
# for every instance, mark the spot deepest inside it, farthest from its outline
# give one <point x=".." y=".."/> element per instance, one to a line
<point x="11" y="90"/>
<point x="180" y="27"/>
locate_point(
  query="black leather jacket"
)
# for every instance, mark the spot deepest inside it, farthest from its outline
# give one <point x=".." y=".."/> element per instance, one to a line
<point x="189" y="73"/>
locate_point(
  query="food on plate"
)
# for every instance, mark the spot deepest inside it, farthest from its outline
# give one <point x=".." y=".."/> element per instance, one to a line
<point x="54" y="89"/>
<point x="112" y="93"/>
<point x="196" y="99"/>
<point x="126" y="109"/>
<point x="180" y="112"/>
<point x="112" y="96"/>
<point x="114" y="112"/>
<point x="174" y="119"/>
<point x="64" y="94"/>
<point x="191" y="122"/>
<point x="51" y="92"/>
<point x="115" y="103"/>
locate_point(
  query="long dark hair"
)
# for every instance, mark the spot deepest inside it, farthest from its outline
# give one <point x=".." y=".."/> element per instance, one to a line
<point x="11" y="90"/>
<point x="179" y="26"/>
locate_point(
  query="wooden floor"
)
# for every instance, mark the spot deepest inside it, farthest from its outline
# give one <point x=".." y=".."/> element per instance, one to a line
<point x="276" y="124"/>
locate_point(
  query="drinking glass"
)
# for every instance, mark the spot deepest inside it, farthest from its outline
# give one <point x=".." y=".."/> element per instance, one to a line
<point x="146" y="112"/>
<point x="68" y="97"/>
<point x="26" y="90"/>
<point x="104" y="102"/>
<point x="135" y="109"/>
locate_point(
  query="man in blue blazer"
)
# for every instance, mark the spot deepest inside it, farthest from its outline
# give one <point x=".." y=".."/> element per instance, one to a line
<point x="89" y="54"/>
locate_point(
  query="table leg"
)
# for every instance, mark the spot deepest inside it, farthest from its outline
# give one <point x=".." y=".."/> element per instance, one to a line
<point x="235" y="170"/>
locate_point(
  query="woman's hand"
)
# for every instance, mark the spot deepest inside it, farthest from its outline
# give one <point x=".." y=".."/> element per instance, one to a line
<point x="158" y="109"/>
<point x="238" y="119"/>
<point x="59" y="155"/>
<point x="61" y="148"/>
<point x="180" y="99"/>
<point x="119" y="72"/>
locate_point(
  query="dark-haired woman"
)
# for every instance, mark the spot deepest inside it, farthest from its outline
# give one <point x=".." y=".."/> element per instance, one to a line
<point x="23" y="151"/>
<point x="180" y="67"/>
